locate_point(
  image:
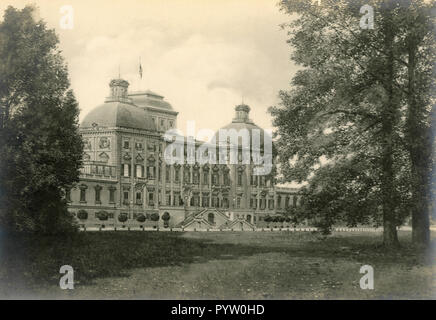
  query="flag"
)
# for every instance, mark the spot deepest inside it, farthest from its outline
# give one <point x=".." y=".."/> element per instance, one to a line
<point x="140" y="69"/>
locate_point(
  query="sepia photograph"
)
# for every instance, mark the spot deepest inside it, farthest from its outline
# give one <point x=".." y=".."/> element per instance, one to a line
<point x="220" y="150"/>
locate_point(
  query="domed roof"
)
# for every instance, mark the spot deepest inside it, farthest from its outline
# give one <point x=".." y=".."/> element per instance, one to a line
<point x="118" y="114"/>
<point x="242" y="121"/>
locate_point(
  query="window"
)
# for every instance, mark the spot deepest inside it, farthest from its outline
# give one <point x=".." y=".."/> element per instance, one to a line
<point x="205" y="201"/>
<point x="239" y="178"/>
<point x="262" y="204"/>
<point x="294" y="201"/>
<point x="206" y="177"/>
<point x="171" y="123"/>
<point x="177" y="200"/>
<point x="139" y="171"/>
<point x="151" y="199"/>
<point x="270" y="204"/>
<point x="126" y="144"/>
<point x="225" y="202"/>
<point x="186" y="175"/>
<point x="126" y="197"/>
<point x="279" y="202"/>
<point x="112" y="194"/>
<point x="126" y="170"/>
<point x="195" y="176"/>
<point x="215" y="179"/>
<point x="238" y="202"/>
<point x="168" y="199"/>
<point x="97" y="194"/>
<point x="138" y="146"/>
<point x="226" y="179"/>
<point x="138" y="198"/>
<point x="83" y="194"/>
<point x="151" y="172"/>
<point x="177" y="174"/>
<point x="167" y="173"/>
<point x="215" y="202"/>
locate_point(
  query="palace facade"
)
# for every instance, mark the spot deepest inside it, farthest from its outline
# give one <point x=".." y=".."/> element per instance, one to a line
<point x="125" y="181"/>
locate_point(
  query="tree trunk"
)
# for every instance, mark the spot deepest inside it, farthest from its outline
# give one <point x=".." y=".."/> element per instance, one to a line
<point x="419" y="147"/>
<point x="390" y="237"/>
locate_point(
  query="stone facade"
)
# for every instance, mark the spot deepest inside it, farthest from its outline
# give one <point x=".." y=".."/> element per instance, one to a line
<point x="125" y="176"/>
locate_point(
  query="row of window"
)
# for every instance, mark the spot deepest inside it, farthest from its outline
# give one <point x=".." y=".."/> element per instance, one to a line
<point x="177" y="199"/>
<point x="215" y="176"/>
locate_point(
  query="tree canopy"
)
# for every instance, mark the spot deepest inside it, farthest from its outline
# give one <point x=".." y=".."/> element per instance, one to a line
<point x="40" y="147"/>
<point x="345" y="121"/>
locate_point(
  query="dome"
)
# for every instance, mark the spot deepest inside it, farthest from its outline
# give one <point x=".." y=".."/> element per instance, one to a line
<point x="242" y="121"/>
<point x="118" y="114"/>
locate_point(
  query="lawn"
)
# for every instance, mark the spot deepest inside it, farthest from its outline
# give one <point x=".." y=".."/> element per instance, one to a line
<point x="215" y="265"/>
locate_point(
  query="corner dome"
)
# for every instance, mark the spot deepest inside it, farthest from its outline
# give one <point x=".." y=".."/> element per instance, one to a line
<point x="242" y="121"/>
<point x="118" y="114"/>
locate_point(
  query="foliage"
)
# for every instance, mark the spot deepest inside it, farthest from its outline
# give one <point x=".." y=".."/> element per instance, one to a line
<point x="122" y="217"/>
<point x="166" y="216"/>
<point x="40" y="147"/>
<point x="154" y="216"/>
<point x="140" y="218"/>
<point x="82" y="214"/>
<point x="342" y="125"/>
<point x="102" y="215"/>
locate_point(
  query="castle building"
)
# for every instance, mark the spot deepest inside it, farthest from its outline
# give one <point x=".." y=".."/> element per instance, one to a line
<point x="126" y="182"/>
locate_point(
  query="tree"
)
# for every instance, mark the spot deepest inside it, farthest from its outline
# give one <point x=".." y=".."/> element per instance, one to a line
<point x="166" y="217"/>
<point x="140" y="218"/>
<point x="154" y="217"/>
<point x="345" y="113"/>
<point x="40" y="147"/>
<point x="122" y="217"/>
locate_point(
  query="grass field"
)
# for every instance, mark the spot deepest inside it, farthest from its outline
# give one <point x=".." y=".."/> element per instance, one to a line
<point x="215" y="265"/>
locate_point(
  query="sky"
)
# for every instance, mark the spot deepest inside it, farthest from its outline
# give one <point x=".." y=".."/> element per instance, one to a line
<point x="203" y="56"/>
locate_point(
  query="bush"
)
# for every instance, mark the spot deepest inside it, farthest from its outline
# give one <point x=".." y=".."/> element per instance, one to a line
<point x="122" y="217"/>
<point x="154" y="216"/>
<point x="82" y="214"/>
<point x="102" y="215"/>
<point x="140" y="218"/>
<point x="166" y="217"/>
<point x="268" y="219"/>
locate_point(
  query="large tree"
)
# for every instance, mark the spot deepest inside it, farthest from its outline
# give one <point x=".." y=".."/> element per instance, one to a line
<point x="346" y="113"/>
<point x="40" y="147"/>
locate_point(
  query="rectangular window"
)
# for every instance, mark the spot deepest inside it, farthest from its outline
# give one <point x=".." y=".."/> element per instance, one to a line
<point x="151" y="172"/>
<point x="82" y="195"/>
<point x="151" y="199"/>
<point x="239" y="179"/>
<point x="126" y="197"/>
<point x="177" y="175"/>
<point x="126" y="144"/>
<point x="205" y="201"/>
<point x="206" y="177"/>
<point x="168" y="195"/>
<point x="112" y="195"/>
<point x="138" y="198"/>
<point x="97" y="194"/>
<point x="126" y="171"/>
<point x="238" y="203"/>
<point x="168" y="174"/>
<point x="138" y="146"/>
<point x="139" y="171"/>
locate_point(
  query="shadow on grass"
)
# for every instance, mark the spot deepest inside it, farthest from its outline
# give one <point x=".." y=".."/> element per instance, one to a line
<point x="30" y="260"/>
